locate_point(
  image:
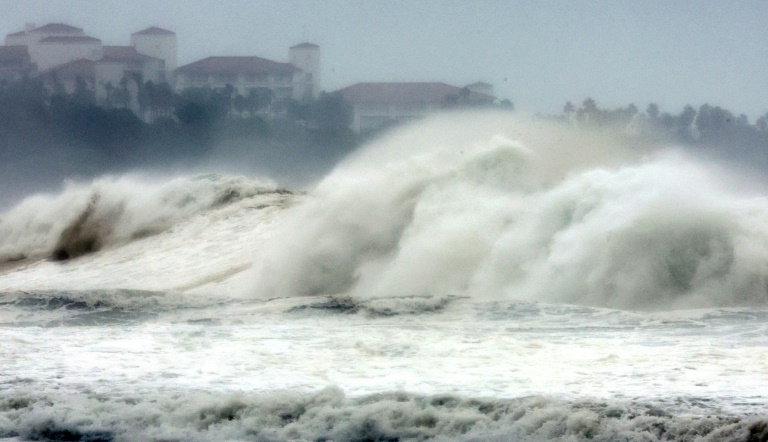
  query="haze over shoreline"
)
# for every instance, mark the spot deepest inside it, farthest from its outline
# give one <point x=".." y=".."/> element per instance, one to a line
<point x="537" y="54"/>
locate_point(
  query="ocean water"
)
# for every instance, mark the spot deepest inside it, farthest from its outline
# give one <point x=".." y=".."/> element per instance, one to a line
<point x="471" y="277"/>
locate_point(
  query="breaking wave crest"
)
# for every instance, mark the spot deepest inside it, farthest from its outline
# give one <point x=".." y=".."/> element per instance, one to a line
<point x="329" y="415"/>
<point x="112" y="211"/>
<point x="493" y="207"/>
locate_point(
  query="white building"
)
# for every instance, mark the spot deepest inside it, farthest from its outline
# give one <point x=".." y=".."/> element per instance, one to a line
<point x="66" y="77"/>
<point x="158" y="43"/>
<point x="54" y="51"/>
<point x="250" y="73"/>
<point x="33" y="34"/>
<point x="124" y="67"/>
<point x="380" y="104"/>
<point x="55" y="44"/>
<point x="63" y="56"/>
<point x="306" y="56"/>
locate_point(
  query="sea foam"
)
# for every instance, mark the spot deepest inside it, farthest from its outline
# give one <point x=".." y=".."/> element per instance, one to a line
<point x="493" y="206"/>
<point x="112" y="211"/>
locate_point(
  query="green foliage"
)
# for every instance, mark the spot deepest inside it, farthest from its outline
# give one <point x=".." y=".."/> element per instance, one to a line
<point x="710" y="127"/>
<point x="331" y="114"/>
<point x="35" y="119"/>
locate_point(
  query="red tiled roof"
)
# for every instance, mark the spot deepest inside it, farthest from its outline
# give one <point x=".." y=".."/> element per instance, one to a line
<point x="154" y="30"/>
<point x="220" y="65"/>
<point x="123" y="53"/>
<point x="305" y="46"/>
<point x="57" y="28"/>
<point x="77" y="68"/>
<point x="78" y="39"/>
<point x="399" y="92"/>
<point x="14" y="52"/>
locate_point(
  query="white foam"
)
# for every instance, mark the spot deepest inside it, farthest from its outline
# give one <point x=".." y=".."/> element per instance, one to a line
<point x="196" y="254"/>
<point x="494" y="206"/>
<point x="114" y="211"/>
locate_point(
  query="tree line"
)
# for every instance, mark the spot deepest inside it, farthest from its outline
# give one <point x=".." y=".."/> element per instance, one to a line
<point x="35" y="119"/>
<point x="709" y="127"/>
<point x="169" y="125"/>
<point x="706" y="125"/>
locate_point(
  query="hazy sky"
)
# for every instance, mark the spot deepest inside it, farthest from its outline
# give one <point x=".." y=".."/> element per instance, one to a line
<point x="538" y="54"/>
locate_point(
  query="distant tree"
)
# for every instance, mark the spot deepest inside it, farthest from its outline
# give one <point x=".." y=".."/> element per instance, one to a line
<point x="714" y="121"/>
<point x="300" y="110"/>
<point x="685" y="122"/>
<point x="58" y="87"/>
<point x="225" y="98"/>
<point x="194" y="114"/>
<point x="667" y="122"/>
<point x="147" y="96"/>
<point x="331" y="113"/>
<point x="762" y="123"/>
<point x="652" y="111"/>
<point x="589" y="105"/>
<point x="164" y="100"/>
<point x="157" y="98"/>
<point x="588" y="113"/>
<point x="622" y="116"/>
<point x="122" y="96"/>
<point x="239" y="104"/>
<point x="258" y="99"/>
<point x="110" y="91"/>
<point x="83" y="95"/>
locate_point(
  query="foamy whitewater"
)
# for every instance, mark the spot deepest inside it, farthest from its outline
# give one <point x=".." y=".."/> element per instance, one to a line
<point x="472" y="277"/>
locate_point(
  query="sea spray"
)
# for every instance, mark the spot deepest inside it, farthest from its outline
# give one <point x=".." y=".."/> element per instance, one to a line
<point x="112" y="211"/>
<point x="494" y="206"/>
<point x="657" y="235"/>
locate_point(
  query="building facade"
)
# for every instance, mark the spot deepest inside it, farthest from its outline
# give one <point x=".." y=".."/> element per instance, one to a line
<point x="66" y="59"/>
<point x="375" y="105"/>
<point x="248" y="74"/>
<point x="306" y="56"/>
<point x="55" y="51"/>
<point x="158" y="43"/>
<point x="68" y="77"/>
<point x="55" y="44"/>
<point x="32" y="34"/>
<point x="121" y="72"/>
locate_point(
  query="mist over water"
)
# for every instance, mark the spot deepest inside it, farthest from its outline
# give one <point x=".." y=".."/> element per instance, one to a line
<point x="493" y="207"/>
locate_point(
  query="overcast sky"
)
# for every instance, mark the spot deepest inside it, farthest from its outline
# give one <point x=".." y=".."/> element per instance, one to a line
<point x="539" y="54"/>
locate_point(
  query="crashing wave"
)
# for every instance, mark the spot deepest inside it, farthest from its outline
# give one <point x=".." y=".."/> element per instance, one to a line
<point x="112" y="211"/>
<point x="497" y="207"/>
<point x="330" y="415"/>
